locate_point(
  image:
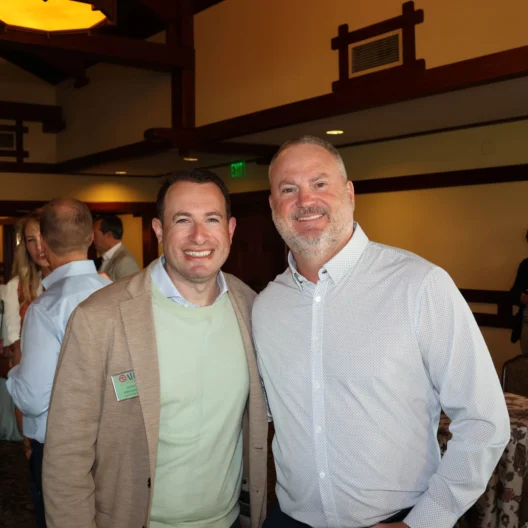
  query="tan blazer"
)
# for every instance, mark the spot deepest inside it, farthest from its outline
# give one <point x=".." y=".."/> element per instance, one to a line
<point x="122" y="264"/>
<point x="100" y="453"/>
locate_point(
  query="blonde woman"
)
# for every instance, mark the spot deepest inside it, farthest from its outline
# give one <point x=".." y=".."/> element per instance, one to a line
<point x="29" y="268"/>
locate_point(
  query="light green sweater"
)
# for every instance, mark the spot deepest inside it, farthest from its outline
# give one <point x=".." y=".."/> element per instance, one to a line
<point x="204" y="383"/>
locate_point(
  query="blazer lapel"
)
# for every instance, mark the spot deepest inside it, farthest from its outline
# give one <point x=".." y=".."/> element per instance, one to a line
<point x="138" y="322"/>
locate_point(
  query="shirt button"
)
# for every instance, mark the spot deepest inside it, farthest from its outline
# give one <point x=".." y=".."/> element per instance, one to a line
<point x="318" y="298"/>
<point x="318" y="429"/>
<point x="322" y="474"/>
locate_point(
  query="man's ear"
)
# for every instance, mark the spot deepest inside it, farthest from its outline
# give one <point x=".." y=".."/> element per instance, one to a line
<point x="157" y="226"/>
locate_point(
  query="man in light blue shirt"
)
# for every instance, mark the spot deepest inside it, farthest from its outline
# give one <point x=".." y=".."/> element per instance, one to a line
<point x="66" y="230"/>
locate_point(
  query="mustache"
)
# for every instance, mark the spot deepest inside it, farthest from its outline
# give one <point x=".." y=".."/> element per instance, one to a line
<point x="309" y="211"/>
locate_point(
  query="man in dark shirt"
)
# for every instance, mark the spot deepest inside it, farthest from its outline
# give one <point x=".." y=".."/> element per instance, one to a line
<point x="519" y="293"/>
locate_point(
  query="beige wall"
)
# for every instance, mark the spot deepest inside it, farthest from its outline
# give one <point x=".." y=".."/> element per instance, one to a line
<point x="113" y="110"/>
<point x="265" y="53"/>
<point x="86" y="188"/>
<point x="132" y="236"/>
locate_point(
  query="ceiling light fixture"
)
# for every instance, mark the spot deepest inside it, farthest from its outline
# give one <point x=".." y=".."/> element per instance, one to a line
<point x="121" y="172"/>
<point x="59" y="15"/>
<point x="334" y="132"/>
<point x="190" y="159"/>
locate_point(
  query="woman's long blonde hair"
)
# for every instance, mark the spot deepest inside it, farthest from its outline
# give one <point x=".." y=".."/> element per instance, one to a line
<point x="23" y="264"/>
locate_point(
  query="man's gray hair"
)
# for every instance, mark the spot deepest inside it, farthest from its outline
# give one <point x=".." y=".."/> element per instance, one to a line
<point x="311" y="140"/>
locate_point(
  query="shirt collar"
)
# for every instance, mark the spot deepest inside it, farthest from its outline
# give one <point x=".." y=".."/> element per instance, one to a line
<point x="168" y="289"/>
<point x="112" y="251"/>
<point x="78" y="267"/>
<point x="337" y="267"/>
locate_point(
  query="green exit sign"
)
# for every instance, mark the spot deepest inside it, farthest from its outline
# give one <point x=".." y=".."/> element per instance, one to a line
<point x="238" y="169"/>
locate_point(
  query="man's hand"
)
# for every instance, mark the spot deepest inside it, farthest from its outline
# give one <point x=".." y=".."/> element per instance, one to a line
<point x="17" y="354"/>
<point x="394" y="525"/>
<point x="524" y="298"/>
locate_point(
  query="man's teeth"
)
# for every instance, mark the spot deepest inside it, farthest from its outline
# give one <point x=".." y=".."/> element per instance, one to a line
<point x="198" y="253"/>
<point x="308" y="218"/>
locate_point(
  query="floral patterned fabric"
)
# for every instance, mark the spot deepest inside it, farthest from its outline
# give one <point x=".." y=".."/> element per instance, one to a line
<point x="503" y="504"/>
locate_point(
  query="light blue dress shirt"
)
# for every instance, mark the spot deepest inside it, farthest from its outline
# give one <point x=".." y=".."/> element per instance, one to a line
<point x="357" y="368"/>
<point x="30" y="382"/>
<point x="168" y="289"/>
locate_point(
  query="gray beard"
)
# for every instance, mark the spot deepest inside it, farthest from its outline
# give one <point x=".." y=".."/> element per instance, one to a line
<point x="314" y="244"/>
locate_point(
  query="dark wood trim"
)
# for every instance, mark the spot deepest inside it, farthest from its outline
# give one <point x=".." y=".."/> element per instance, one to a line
<point x="12" y="128"/>
<point x="134" y="150"/>
<point x="406" y="22"/>
<point x="370" y="93"/>
<point x="180" y="34"/>
<point x="14" y="153"/>
<point x="379" y="28"/>
<point x="483" y="176"/>
<point x="107" y="7"/>
<point x="49" y="115"/>
<point x="19" y="142"/>
<point x="98" y="47"/>
<point x="28" y="167"/>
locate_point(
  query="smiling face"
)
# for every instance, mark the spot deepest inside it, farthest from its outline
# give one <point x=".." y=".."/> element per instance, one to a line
<point x="312" y="204"/>
<point x="196" y="234"/>
<point x="33" y="241"/>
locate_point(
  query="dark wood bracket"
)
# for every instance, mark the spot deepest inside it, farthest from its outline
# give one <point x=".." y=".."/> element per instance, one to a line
<point x="409" y="64"/>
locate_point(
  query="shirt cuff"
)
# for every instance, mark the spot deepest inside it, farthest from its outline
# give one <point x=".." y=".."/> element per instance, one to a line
<point x="428" y="514"/>
<point x="10" y="378"/>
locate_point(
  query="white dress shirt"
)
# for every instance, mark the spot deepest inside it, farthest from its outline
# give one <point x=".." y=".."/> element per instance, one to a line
<point x="168" y="289"/>
<point x="30" y="382"/>
<point x="357" y="368"/>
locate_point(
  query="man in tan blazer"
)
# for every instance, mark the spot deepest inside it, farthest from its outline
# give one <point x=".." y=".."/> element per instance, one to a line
<point x="154" y="382"/>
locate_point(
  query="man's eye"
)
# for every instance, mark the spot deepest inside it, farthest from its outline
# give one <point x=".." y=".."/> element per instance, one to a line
<point x="319" y="185"/>
<point x="214" y="220"/>
<point x="287" y="190"/>
<point x="182" y="220"/>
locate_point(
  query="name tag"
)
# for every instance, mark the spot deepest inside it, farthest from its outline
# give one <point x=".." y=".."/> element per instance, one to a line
<point x="125" y="385"/>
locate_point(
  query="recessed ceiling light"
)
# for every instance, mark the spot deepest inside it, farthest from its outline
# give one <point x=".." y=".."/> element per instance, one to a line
<point x="334" y="132"/>
<point x="190" y="159"/>
<point x="121" y="172"/>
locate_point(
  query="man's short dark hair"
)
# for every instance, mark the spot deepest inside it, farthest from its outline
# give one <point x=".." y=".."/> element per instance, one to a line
<point x="193" y="176"/>
<point x="66" y="226"/>
<point x="111" y="224"/>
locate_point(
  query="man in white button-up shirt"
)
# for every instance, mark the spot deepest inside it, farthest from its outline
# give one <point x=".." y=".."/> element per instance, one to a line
<point x="360" y="346"/>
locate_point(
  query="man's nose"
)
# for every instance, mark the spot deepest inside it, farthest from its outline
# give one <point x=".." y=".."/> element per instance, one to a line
<point x="305" y="198"/>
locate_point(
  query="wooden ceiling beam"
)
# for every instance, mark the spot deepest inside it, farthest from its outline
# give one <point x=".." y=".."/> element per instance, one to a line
<point x="107" y="7"/>
<point x="67" y="64"/>
<point x="115" y="50"/>
<point x="49" y="115"/>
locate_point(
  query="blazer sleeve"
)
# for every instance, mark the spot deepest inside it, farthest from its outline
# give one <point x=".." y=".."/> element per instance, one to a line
<point x="73" y="423"/>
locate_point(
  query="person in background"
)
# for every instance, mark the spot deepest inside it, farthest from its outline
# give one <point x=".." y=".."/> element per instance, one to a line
<point x="29" y="268"/>
<point x="360" y="346"/>
<point x="519" y="296"/>
<point x="168" y="375"/>
<point x="117" y="261"/>
<point x="66" y="228"/>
